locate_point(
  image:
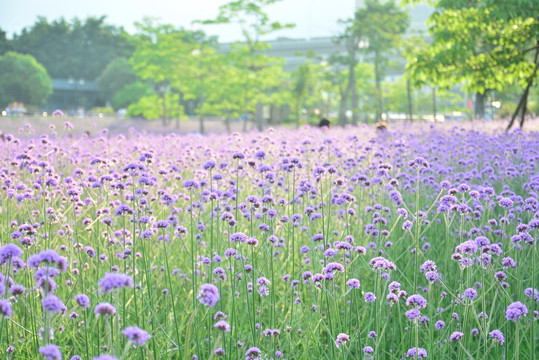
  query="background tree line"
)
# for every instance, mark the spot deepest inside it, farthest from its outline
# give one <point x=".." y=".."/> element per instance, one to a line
<point x="489" y="49"/>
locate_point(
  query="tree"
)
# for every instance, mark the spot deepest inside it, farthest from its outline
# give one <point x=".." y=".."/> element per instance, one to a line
<point x="203" y="65"/>
<point x="483" y="45"/>
<point x="259" y="73"/>
<point x="130" y="94"/>
<point x="375" y="29"/>
<point x="78" y="49"/>
<point x="5" y="44"/>
<point x="117" y="74"/>
<point x="396" y="99"/>
<point x="23" y="79"/>
<point x="307" y="83"/>
<point x="384" y="24"/>
<point x="170" y="60"/>
<point x="352" y="39"/>
<point x="407" y="50"/>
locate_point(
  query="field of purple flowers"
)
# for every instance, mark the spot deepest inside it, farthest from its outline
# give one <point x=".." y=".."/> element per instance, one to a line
<point x="279" y="245"/>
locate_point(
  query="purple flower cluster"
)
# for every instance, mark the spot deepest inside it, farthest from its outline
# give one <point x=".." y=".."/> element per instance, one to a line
<point x="136" y="335"/>
<point x="516" y="311"/>
<point x="113" y="281"/>
<point x="208" y="295"/>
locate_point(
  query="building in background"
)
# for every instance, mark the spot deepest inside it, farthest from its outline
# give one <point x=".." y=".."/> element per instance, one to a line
<point x="72" y="94"/>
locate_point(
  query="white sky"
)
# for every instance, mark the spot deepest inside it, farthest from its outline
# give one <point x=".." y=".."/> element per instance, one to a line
<point x="313" y="18"/>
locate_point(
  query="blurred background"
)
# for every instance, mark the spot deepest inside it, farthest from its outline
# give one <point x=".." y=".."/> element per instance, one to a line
<point x="216" y="65"/>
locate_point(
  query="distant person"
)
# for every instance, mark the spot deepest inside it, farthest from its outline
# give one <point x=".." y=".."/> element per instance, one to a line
<point x="381" y="126"/>
<point x="324" y="123"/>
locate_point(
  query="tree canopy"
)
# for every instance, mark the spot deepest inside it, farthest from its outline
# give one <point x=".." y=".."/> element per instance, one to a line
<point x="78" y="49"/>
<point x="117" y="74"/>
<point x="483" y="45"/>
<point x="23" y="79"/>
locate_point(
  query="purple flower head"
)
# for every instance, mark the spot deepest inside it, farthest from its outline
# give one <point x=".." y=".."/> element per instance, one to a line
<point x="470" y="293"/>
<point x="456" y="336"/>
<point x="208" y="295"/>
<point x="506" y="203"/>
<point x="51" y="352"/>
<point x="50" y="257"/>
<point x="416" y="353"/>
<point x="17" y="290"/>
<point x="105" y="357"/>
<point x="341" y="338"/>
<point x="136" y="335"/>
<point x="368" y="350"/>
<point x="52" y="304"/>
<point x="532" y="293"/>
<point x="382" y="263"/>
<point x="253" y="353"/>
<point x="407" y="225"/>
<point x="370" y="297"/>
<point x="515" y="311"/>
<point x="417" y="301"/>
<point x="439" y="324"/>
<point x="9" y="251"/>
<point x="497" y="335"/>
<point x="413" y="314"/>
<point x="5" y="308"/>
<point x="104" y="309"/>
<point x="353" y="283"/>
<point x="83" y="300"/>
<point x="222" y="325"/>
<point x="113" y="281"/>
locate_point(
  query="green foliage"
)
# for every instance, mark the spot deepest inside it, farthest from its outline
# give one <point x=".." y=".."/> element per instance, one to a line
<point x="5" y="44"/>
<point x="175" y="61"/>
<point x="105" y="110"/>
<point x="481" y="44"/>
<point x="79" y="49"/>
<point x="254" y="22"/>
<point x="115" y="77"/>
<point x="130" y="93"/>
<point x="308" y="84"/>
<point x="375" y="29"/>
<point x="259" y="77"/>
<point x="151" y="107"/>
<point x="23" y="79"/>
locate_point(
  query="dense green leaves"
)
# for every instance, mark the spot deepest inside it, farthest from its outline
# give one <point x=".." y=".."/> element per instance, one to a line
<point x="115" y="77"/>
<point x="23" y="79"/>
<point x="484" y="45"/>
<point x="375" y="29"/>
<point x="78" y="49"/>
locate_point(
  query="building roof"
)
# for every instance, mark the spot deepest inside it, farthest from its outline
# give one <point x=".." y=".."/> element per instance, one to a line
<point x="72" y="85"/>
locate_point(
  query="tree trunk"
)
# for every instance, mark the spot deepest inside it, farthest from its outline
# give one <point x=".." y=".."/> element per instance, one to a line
<point x="180" y="97"/>
<point x="434" y="103"/>
<point x="378" y="80"/>
<point x="353" y="92"/>
<point x="201" y="124"/>
<point x="522" y="105"/>
<point x="479" y="106"/>
<point x="409" y="94"/>
<point x="227" y="124"/>
<point x="259" y="116"/>
<point x="342" y="106"/>
<point x="164" y="111"/>
<point x="297" y="112"/>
